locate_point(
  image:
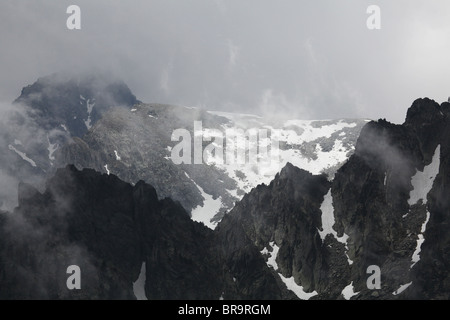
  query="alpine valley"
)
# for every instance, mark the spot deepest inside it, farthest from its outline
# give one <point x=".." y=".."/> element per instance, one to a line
<point x="88" y="179"/>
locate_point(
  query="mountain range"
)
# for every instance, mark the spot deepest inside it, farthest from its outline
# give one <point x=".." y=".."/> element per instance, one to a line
<point x="99" y="188"/>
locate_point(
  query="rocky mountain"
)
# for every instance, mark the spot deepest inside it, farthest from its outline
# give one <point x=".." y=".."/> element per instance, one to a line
<point x="46" y="116"/>
<point x="302" y="236"/>
<point x="96" y="122"/>
<point x="163" y="202"/>
<point x="386" y="207"/>
<point x="74" y="103"/>
<point x="139" y="144"/>
<point x="125" y="241"/>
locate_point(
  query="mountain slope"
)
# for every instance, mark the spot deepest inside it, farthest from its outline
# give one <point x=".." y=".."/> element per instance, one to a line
<point x="109" y="229"/>
<point x="46" y="116"/>
<point x="65" y="119"/>
<point x="386" y="208"/>
<point x="137" y="144"/>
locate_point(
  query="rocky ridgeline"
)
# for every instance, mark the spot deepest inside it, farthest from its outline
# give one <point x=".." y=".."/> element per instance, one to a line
<point x="94" y="121"/>
<point x="109" y="228"/>
<point x="276" y="232"/>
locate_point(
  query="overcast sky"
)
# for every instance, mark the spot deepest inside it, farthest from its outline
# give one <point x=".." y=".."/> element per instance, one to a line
<point x="312" y="59"/>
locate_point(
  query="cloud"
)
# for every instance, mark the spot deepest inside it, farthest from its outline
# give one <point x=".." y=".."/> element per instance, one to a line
<point x="233" y="52"/>
<point x="320" y="53"/>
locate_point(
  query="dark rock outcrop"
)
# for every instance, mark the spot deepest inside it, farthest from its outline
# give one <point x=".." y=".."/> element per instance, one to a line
<point x="371" y="194"/>
<point x="109" y="228"/>
<point x="287" y="213"/>
<point x="62" y="99"/>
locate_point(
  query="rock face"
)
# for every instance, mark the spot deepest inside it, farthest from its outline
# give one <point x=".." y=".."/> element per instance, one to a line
<point x="285" y="216"/>
<point x="94" y="121"/>
<point x="389" y="210"/>
<point x="46" y="116"/>
<point x="388" y="198"/>
<point x="109" y="228"/>
<point x="137" y="145"/>
<point x="77" y="102"/>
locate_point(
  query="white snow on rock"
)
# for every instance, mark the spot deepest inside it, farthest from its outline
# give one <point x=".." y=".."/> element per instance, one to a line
<point x="271" y="261"/>
<point x="139" y="285"/>
<point x="209" y="209"/>
<point x="401" y="289"/>
<point x="297" y="289"/>
<point x="250" y="174"/>
<point x="52" y="147"/>
<point x="327" y="216"/>
<point x="328" y="222"/>
<point x="64" y="127"/>
<point x="289" y="282"/>
<point x="23" y="155"/>
<point x="422" y="182"/>
<point x="420" y="239"/>
<point x="312" y="133"/>
<point x="89" y="105"/>
<point x="348" y="291"/>
<point x="268" y="145"/>
<point x="118" y="158"/>
<point x="106" y="168"/>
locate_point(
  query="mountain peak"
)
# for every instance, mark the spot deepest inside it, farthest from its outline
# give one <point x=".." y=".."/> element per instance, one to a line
<point x="74" y="102"/>
<point x="423" y="111"/>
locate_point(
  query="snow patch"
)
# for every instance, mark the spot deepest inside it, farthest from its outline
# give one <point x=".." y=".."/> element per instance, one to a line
<point x="422" y="182"/>
<point x="311" y="133"/>
<point x="52" y="147"/>
<point x="23" y="155"/>
<point x="209" y="209"/>
<point x="420" y="239"/>
<point x="106" y="168"/>
<point x="348" y="291"/>
<point x="298" y="290"/>
<point x="233" y="193"/>
<point x="271" y="261"/>
<point x="289" y="282"/>
<point x="262" y="171"/>
<point x="139" y="284"/>
<point x="118" y="158"/>
<point x="89" y="107"/>
<point x="328" y="222"/>
<point x="401" y="289"/>
<point x="327" y="216"/>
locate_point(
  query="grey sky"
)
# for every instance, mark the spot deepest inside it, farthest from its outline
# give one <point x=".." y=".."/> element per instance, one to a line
<point x="305" y="59"/>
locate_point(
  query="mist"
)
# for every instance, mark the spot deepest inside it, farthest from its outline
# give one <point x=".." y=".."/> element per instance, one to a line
<point x="302" y="59"/>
